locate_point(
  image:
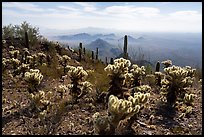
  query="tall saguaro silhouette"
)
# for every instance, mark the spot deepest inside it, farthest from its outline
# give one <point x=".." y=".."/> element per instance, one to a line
<point x="26" y="40"/>
<point x="125" y="54"/>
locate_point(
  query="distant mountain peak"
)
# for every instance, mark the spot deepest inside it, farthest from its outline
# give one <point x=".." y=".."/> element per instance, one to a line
<point x="100" y="43"/>
<point x="130" y="38"/>
<point x="140" y="38"/>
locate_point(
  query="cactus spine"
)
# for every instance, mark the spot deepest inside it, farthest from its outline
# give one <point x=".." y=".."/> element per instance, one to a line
<point x="125" y="48"/>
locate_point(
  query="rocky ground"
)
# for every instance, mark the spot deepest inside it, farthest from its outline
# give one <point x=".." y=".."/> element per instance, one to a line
<point x="77" y="119"/>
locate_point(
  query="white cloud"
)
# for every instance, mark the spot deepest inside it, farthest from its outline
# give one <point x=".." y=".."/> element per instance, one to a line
<point x="68" y="8"/>
<point x="133" y="11"/>
<point x="184" y="13"/>
<point x="87" y="6"/>
<point x="127" y="17"/>
<point x="84" y="4"/>
<point x="22" y="6"/>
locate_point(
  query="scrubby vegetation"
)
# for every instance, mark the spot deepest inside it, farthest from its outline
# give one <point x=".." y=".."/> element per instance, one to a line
<point x="48" y="89"/>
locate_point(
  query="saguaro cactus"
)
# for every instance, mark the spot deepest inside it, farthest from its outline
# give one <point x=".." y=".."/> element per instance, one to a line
<point x="106" y="61"/>
<point x="158" y="75"/>
<point x="125" y="48"/>
<point x="84" y="50"/>
<point x="111" y="61"/>
<point x="80" y="52"/>
<point x="157" y="66"/>
<point x="80" y="45"/>
<point x="92" y="55"/>
<point x="26" y="40"/>
<point x="96" y="53"/>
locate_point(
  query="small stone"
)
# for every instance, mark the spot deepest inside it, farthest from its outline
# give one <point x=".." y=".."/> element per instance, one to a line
<point x="149" y="133"/>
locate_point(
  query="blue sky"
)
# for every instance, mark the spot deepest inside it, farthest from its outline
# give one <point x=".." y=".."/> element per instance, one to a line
<point x="124" y="16"/>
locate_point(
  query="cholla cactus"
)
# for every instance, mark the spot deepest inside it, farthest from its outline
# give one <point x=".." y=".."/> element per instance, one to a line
<point x="62" y="89"/>
<point x="14" y="54"/>
<point x="158" y="76"/>
<point x="63" y="60"/>
<point x="189" y="98"/>
<point x="117" y="73"/>
<point x="167" y="63"/>
<point x="33" y="62"/>
<point x="24" y="55"/>
<point x="33" y="78"/>
<point x="11" y="47"/>
<point x="128" y="80"/>
<point x="78" y="87"/>
<point x="200" y="81"/>
<point x="143" y="89"/>
<point x="23" y="68"/>
<point x="120" y="109"/>
<point x="137" y="73"/>
<point x="40" y="101"/>
<point x="15" y="63"/>
<point x="3" y="41"/>
<point x="29" y="59"/>
<point x="41" y="56"/>
<point x="140" y="98"/>
<point x="101" y="123"/>
<point x="187" y="111"/>
<point x="4" y="63"/>
<point x="176" y="81"/>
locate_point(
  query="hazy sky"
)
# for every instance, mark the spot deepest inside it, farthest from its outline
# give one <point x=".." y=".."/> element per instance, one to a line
<point x="126" y="16"/>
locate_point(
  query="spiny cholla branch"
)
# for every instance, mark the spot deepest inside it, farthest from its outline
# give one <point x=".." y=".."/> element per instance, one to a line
<point x="33" y="79"/>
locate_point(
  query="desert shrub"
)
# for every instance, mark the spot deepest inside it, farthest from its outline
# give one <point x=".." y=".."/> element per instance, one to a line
<point x="12" y="32"/>
<point x="150" y="79"/>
